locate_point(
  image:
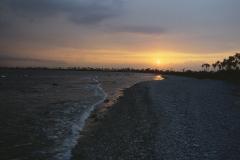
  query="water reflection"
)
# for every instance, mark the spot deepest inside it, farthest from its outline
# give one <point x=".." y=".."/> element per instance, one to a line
<point x="158" y="77"/>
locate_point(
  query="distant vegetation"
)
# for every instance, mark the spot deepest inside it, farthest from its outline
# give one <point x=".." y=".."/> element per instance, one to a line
<point x="228" y="69"/>
<point x="232" y="63"/>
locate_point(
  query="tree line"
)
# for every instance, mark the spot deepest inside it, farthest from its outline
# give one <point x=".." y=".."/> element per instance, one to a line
<point x="232" y="63"/>
<point x="228" y="69"/>
<point x="127" y="69"/>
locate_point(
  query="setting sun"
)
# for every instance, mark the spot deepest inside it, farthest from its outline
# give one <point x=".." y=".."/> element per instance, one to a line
<point x="158" y="62"/>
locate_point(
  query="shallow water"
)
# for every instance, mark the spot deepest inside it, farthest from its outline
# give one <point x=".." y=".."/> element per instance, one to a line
<point x="39" y="120"/>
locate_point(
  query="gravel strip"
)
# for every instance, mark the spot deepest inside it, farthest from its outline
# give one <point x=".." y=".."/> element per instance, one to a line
<point x="178" y="118"/>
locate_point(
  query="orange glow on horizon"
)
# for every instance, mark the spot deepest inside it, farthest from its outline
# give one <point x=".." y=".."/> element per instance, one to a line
<point x="122" y="58"/>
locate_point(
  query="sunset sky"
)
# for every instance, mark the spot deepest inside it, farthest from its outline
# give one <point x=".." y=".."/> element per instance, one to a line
<point x="159" y="34"/>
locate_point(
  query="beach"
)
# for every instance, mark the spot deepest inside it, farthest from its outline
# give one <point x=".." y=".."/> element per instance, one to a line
<point x="177" y="118"/>
<point x="42" y="111"/>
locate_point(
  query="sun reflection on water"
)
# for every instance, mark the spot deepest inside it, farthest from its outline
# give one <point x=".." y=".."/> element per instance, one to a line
<point x="158" y="77"/>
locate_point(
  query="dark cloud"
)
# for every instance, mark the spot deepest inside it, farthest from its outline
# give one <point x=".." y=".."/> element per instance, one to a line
<point x="92" y="18"/>
<point x="11" y="58"/>
<point x="78" y="12"/>
<point x="4" y="25"/>
<point x="35" y="8"/>
<point x="147" y="30"/>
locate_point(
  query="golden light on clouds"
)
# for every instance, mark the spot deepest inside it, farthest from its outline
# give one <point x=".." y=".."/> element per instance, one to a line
<point x="117" y="58"/>
<point x="152" y="34"/>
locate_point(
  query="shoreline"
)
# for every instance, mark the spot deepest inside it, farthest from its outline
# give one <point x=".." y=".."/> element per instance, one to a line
<point x="100" y="114"/>
<point x="54" y="106"/>
<point x="103" y="111"/>
<point x="175" y="118"/>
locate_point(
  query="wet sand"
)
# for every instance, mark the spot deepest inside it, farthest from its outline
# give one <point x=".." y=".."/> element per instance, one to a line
<point x="178" y="118"/>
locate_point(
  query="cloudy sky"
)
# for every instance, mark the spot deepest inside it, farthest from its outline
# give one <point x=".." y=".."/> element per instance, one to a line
<point x="118" y="33"/>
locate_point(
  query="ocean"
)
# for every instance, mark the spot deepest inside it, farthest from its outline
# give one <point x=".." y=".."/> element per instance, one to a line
<point x="43" y="111"/>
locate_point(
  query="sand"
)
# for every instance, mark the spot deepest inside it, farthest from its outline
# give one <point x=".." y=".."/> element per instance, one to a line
<point x="178" y="118"/>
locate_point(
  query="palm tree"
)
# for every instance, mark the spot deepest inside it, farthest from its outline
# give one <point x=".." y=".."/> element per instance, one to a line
<point x="237" y="60"/>
<point x="224" y="63"/>
<point x="214" y="66"/>
<point x="203" y="66"/>
<point x="218" y="63"/>
<point x="230" y="62"/>
<point x="207" y="66"/>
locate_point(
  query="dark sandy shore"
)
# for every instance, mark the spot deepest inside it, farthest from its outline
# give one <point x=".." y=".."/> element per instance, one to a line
<point x="178" y="118"/>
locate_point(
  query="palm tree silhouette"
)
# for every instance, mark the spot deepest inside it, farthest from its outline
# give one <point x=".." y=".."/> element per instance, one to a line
<point x="224" y="63"/>
<point x="214" y="66"/>
<point x="218" y="63"/>
<point x="207" y="66"/>
<point x="237" y="60"/>
<point x="202" y="66"/>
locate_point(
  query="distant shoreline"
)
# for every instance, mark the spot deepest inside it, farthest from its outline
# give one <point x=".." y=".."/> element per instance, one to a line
<point x="227" y="75"/>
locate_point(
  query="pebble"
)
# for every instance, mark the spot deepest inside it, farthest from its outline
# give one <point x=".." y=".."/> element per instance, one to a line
<point x="166" y="130"/>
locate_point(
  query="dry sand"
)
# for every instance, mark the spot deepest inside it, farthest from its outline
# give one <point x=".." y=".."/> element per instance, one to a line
<point x="178" y="118"/>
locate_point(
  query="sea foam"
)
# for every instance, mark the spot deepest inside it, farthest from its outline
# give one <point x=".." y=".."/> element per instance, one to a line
<point x="64" y="150"/>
